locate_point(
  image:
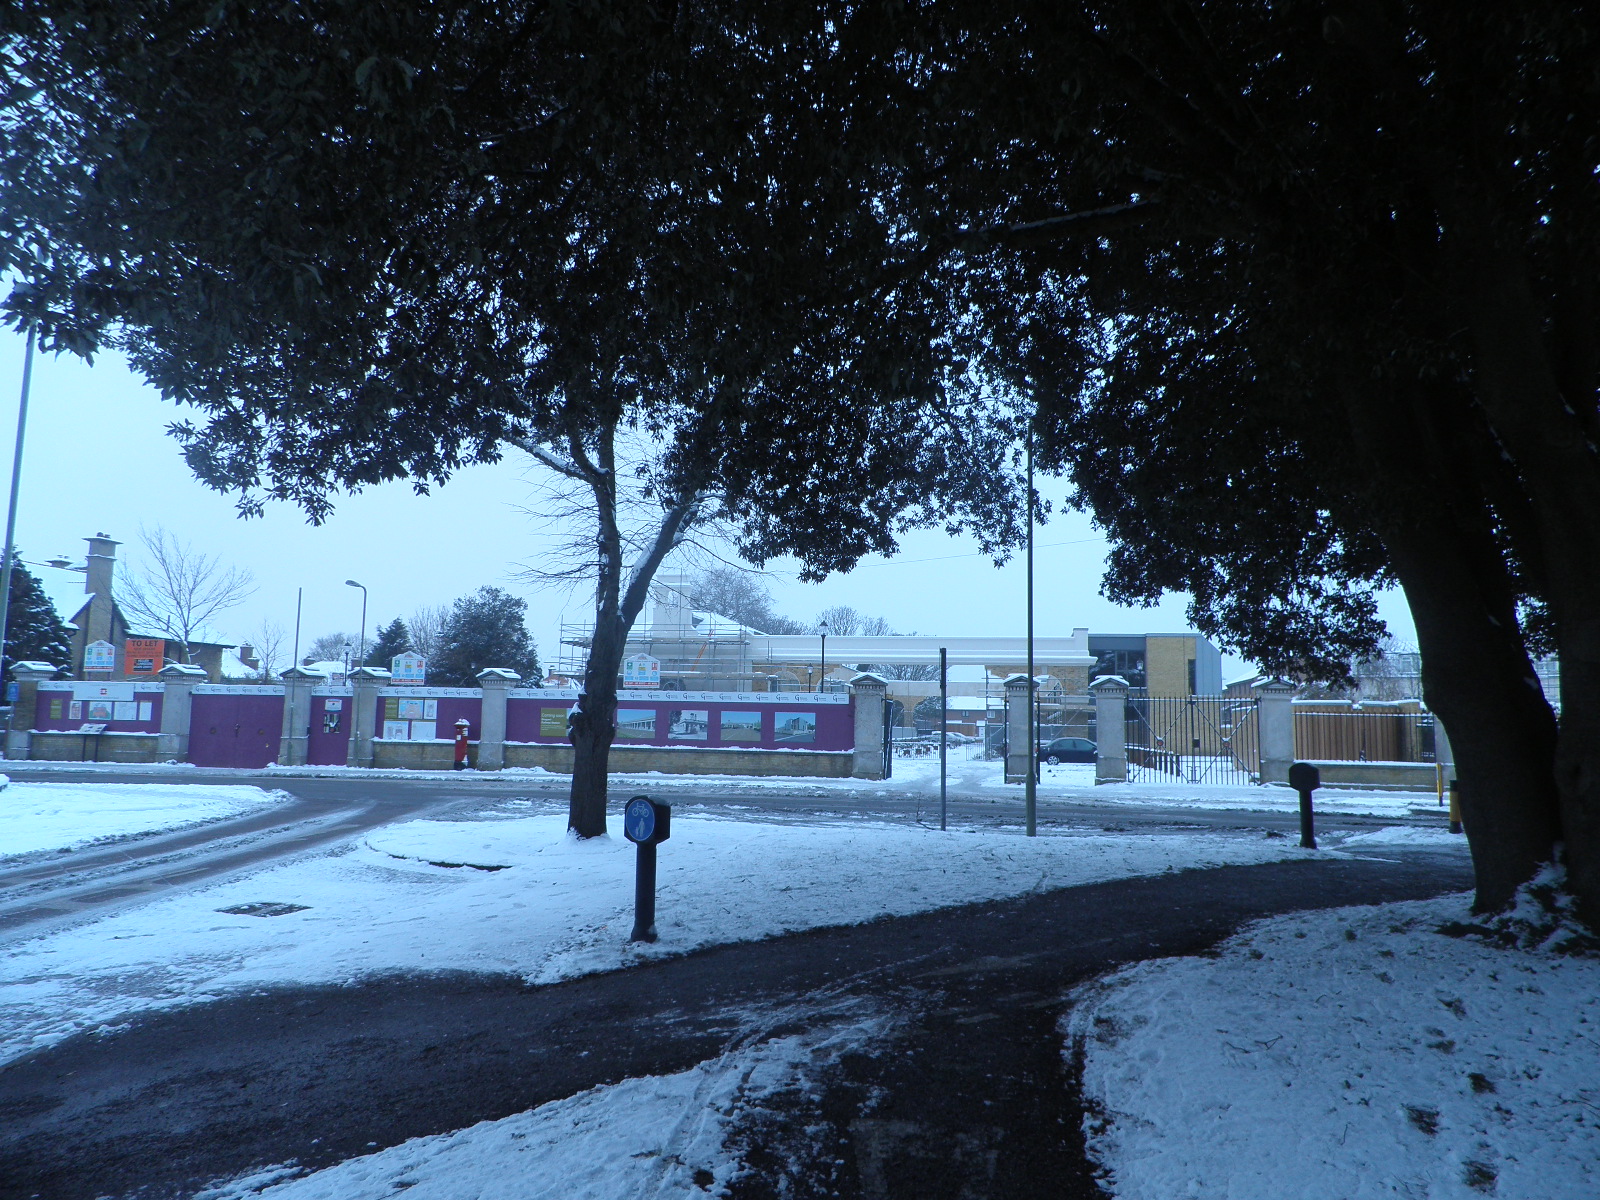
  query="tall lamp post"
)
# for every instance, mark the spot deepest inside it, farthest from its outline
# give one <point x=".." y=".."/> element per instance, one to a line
<point x="1031" y="788"/>
<point x="361" y="653"/>
<point x="822" y="666"/>
<point x="16" y="483"/>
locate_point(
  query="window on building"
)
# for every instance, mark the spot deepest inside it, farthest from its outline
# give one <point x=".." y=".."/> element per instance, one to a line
<point x="1127" y="663"/>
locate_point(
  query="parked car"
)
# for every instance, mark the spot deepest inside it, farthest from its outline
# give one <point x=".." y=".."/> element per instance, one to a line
<point x="1067" y="749"/>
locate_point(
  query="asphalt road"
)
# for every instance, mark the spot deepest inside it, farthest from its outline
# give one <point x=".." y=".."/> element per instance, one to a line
<point x="38" y="892"/>
<point x="972" y="1100"/>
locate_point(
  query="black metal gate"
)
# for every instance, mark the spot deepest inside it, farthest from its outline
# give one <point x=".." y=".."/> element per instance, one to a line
<point x="891" y="717"/>
<point x="1193" y="739"/>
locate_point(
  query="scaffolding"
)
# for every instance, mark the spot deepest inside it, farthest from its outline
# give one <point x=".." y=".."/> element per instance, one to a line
<point x="708" y="654"/>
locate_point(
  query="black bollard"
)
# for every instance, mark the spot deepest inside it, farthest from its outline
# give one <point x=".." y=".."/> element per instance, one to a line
<point x="644" y="894"/>
<point x="1305" y="779"/>
<point x="646" y="824"/>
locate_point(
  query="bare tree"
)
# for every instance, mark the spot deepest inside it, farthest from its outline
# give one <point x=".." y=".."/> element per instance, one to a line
<point x="331" y="646"/>
<point x="426" y="626"/>
<point x="841" y="620"/>
<point x="179" y="591"/>
<point x="268" y="643"/>
<point x="742" y="596"/>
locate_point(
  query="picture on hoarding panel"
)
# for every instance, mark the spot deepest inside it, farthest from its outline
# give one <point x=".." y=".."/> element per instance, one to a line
<point x="552" y="722"/>
<point x="396" y="731"/>
<point x="411" y="710"/>
<point x="636" y="723"/>
<point x="741" y="726"/>
<point x="101" y="710"/>
<point x="690" y="724"/>
<point x="796" y="728"/>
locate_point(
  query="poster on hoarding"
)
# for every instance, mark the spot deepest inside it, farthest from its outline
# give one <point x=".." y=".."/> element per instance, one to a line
<point x="641" y="671"/>
<point x="689" y="724"/>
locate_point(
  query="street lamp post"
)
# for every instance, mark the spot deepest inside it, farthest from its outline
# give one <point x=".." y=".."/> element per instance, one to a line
<point x="361" y="653"/>
<point x="16" y="483"/>
<point x="822" y="666"/>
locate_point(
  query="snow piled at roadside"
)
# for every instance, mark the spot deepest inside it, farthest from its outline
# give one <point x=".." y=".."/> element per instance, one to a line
<point x="663" y="1135"/>
<point x="56" y="816"/>
<point x="1355" y="1053"/>
<point x="520" y="896"/>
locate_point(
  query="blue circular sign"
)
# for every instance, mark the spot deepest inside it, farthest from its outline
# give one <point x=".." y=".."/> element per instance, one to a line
<point x="639" y="820"/>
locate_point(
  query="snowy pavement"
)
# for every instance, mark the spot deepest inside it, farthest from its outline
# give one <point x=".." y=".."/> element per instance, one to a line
<point x="666" y="1135"/>
<point x="520" y="896"/>
<point x="1351" y="1053"/>
<point x="55" y="816"/>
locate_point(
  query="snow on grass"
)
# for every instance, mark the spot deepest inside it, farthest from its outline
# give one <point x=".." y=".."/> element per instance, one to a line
<point x="658" y="1136"/>
<point x="1354" y="1053"/>
<point x="54" y="816"/>
<point x="520" y="896"/>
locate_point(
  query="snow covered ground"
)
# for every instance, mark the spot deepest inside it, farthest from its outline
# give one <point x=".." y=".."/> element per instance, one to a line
<point x="54" y="816"/>
<point x="520" y="896"/>
<point x="1351" y="1053"/>
<point x="659" y="1136"/>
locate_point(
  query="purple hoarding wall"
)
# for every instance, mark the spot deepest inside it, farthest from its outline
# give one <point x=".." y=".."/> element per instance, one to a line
<point x="425" y="714"/>
<point x="121" y="708"/>
<point x="328" y="743"/>
<point x="707" y="720"/>
<point x="235" y="727"/>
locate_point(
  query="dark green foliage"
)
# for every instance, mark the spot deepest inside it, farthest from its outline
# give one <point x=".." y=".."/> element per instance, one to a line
<point x="485" y="629"/>
<point x="34" y="632"/>
<point x="394" y="638"/>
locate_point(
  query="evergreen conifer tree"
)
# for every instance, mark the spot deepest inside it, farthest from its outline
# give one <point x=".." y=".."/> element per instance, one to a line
<point x="485" y="629"/>
<point x="394" y="638"/>
<point x="34" y="631"/>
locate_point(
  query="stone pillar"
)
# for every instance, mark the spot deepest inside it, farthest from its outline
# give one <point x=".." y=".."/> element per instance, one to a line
<point x="496" y="683"/>
<point x="1275" y="715"/>
<point x="1110" y="729"/>
<point x="364" y="685"/>
<point x="25" y="709"/>
<point x="1019" y="728"/>
<point x="295" y="742"/>
<point x="177" y="695"/>
<point x="869" y="692"/>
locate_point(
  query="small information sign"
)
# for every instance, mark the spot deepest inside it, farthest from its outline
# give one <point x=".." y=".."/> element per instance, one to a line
<point x="408" y="668"/>
<point x="641" y="671"/>
<point x="99" y="656"/>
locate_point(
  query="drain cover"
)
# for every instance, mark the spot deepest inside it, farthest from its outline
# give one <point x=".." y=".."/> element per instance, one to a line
<point x="263" y="908"/>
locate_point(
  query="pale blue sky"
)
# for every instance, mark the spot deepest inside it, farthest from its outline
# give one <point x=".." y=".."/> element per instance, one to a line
<point x="98" y="458"/>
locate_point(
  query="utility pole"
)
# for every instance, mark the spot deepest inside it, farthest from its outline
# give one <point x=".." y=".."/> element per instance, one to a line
<point x="16" y="484"/>
<point x="1031" y="786"/>
<point x="944" y="736"/>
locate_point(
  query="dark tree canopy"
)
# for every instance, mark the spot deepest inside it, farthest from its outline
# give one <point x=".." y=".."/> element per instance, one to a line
<point x="35" y="632"/>
<point x="484" y="630"/>
<point x="394" y="638"/>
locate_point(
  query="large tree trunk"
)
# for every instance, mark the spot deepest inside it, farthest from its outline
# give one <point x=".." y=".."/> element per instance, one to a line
<point x="593" y="727"/>
<point x="1476" y="677"/>
<point x="1431" y="511"/>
